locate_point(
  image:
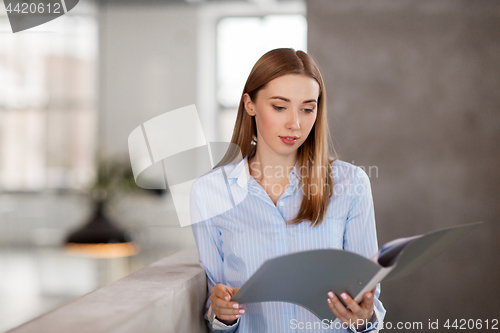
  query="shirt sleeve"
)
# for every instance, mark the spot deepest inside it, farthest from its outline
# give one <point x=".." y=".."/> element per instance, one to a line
<point x="360" y="235"/>
<point x="370" y="327"/>
<point x="211" y="257"/>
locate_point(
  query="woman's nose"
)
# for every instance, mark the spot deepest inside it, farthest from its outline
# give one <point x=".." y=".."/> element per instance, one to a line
<point x="293" y="121"/>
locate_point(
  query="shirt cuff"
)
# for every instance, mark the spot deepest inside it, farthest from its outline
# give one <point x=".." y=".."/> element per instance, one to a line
<point x="217" y="325"/>
<point x="371" y="325"/>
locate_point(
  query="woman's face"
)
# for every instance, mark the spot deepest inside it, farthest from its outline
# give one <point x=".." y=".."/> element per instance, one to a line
<point x="285" y="111"/>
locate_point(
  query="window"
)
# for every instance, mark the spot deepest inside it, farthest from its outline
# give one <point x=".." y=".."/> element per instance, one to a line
<point x="48" y="104"/>
<point x="241" y="41"/>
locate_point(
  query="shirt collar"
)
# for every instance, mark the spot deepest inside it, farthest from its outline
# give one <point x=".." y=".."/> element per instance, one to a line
<point x="241" y="173"/>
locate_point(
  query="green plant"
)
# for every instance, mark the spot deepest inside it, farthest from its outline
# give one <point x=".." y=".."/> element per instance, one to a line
<point x="112" y="178"/>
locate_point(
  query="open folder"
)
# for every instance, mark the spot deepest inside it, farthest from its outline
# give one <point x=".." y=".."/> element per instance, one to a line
<point x="304" y="278"/>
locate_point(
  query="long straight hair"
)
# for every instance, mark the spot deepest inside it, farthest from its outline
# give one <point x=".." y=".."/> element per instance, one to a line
<point x="313" y="155"/>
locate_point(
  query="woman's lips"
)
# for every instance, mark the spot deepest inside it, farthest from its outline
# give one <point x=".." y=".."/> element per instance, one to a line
<point x="289" y="140"/>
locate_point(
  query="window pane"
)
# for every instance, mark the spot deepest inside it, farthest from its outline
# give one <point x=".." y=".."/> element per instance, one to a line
<point x="48" y="104"/>
<point x="241" y="41"/>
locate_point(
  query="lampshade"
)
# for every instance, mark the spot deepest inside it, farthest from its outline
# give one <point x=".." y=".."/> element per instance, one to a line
<point x="100" y="238"/>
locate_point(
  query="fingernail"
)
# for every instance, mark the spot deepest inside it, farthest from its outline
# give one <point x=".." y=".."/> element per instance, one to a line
<point x="235" y="305"/>
<point x="226" y="298"/>
<point x="369" y="296"/>
<point x="237" y="316"/>
<point x="329" y="301"/>
<point x="343" y="295"/>
<point x="242" y="311"/>
<point x="330" y="294"/>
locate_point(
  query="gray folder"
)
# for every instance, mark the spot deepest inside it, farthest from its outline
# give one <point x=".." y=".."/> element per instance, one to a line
<point x="304" y="278"/>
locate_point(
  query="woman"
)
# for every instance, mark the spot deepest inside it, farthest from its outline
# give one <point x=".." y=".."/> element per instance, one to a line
<point x="287" y="196"/>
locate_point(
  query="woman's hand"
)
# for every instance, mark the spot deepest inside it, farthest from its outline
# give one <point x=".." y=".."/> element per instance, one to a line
<point x="225" y="310"/>
<point x="350" y="316"/>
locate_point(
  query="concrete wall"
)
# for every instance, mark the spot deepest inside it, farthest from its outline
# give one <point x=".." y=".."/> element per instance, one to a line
<point x="147" y="66"/>
<point x="413" y="91"/>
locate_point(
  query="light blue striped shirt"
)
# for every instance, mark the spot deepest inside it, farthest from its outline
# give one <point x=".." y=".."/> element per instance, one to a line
<point x="234" y="244"/>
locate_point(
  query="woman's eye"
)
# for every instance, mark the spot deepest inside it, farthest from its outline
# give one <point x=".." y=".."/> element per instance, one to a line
<point x="278" y="108"/>
<point x="308" y="110"/>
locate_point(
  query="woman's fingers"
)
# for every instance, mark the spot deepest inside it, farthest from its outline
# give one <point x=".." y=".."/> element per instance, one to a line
<point x="221" y="304"/>
<point x="367" y="302"/>
<point x="351" y="304"/>
<point x="222" y="291"/>
<point x="234" y="291"/>
<point x="337" y="307"/>
<point x="332" y="306"/>
<point x="354" y="311"/>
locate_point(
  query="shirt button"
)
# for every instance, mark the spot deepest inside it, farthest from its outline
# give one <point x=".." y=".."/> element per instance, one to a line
<point x="281" y="203"/>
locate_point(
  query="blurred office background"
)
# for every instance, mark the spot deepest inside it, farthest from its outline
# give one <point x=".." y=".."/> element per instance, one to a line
<point x="413" y="97"/>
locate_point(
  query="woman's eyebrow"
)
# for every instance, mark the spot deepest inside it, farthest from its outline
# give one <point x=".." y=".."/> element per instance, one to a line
<point x="287" y="100"/>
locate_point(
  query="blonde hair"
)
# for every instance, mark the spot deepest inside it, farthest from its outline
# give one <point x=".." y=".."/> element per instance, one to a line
<point x="313" y="154"/>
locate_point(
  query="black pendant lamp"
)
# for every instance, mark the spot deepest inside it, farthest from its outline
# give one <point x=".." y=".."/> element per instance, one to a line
<point x="100" y="238"/>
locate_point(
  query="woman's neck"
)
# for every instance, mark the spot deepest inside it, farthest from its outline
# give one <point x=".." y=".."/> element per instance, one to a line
<point x="271" y="168"/>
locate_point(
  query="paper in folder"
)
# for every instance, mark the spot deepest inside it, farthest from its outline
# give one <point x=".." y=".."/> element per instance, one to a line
<point x="304" y="278"/>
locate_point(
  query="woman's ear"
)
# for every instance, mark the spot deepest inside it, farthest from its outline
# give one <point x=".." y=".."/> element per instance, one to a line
<point x="248" y="104"/>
